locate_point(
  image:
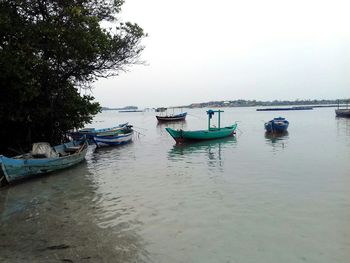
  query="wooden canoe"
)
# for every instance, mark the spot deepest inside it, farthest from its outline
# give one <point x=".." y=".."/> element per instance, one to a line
<point x="113" y="140"/>
<point x="200" y="135"/>
<point x="56" y="158"/>
<point x="177" y="117"/>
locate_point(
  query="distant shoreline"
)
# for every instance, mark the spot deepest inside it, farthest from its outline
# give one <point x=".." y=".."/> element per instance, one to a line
<point x="248" y="103"/>
<point x="254" y="103"/>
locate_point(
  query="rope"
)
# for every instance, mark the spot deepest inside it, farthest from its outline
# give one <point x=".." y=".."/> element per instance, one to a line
<point x="139" y="133"/>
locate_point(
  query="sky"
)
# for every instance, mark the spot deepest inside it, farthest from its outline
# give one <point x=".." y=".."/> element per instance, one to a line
<point x="201" y="50"/>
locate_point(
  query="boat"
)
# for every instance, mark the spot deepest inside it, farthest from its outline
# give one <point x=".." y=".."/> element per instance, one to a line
<point x="211" y="133"/>
<point x="114" y="138"/>
<point x="43" y="159"/>
<point x="89" y="133"/>
<point x="277" y="125"/>
<point x="343" y="112"/>
<point x="176" y="117"/>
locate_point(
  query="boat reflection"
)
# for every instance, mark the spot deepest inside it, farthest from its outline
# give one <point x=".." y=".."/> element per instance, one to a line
<point x="343" y="126"/>
<point x="211" y="149"/>
<point x="172" y="124"/>
<point x="112" y="148"/>
<point x="277" y="140"/>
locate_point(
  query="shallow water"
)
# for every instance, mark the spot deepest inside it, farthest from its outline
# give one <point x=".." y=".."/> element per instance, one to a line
<point x="249" y="198"/>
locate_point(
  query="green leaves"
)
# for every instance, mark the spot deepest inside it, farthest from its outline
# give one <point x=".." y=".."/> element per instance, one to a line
<point x="48" y="51"/>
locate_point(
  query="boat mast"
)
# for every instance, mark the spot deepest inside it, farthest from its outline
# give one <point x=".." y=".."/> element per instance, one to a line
<point x="210" y="114"/>
<point x="209" y="117"/>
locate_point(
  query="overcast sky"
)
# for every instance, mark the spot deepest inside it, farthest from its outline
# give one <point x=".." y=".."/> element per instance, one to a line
<point x="201" y="50"/>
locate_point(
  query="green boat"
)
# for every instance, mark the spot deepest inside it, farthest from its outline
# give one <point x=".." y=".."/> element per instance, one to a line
<point x="212" y="133"/>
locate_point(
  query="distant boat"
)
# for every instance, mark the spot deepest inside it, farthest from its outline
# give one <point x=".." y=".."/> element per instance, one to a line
<point x="277" y="125"/>
<point x="114" y="138"/>
<point x="176" y="117"/>
<point x="343" y="112"/>
<point x="212" y="133"/>
<point x="43" y="159"/>
<point x="287" y="109"/>
<point x="89" y="133"/>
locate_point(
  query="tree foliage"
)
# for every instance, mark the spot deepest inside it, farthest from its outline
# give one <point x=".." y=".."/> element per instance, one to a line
<point x="50" y="50"/>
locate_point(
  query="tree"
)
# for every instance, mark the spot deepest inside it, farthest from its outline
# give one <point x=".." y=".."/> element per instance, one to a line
<point x="49" y="51"/>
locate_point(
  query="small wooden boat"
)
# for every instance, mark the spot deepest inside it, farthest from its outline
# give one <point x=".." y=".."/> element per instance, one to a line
<point x="114" y="138"/>
<point x="176" y="117"/>
<point x="89" y="133"/>
<point x="199" y="135"/>
<point x="277" y="125"/>
<point x="43" y="159"/>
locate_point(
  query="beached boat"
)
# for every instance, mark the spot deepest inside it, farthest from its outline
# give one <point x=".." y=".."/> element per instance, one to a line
<point x="277" y="125"/>
<point x="114" y="138"/>
<point x="89" y="133"/>
<point x="199" y="135"/>
<point x="176" y="117"/>
<point x="43" y="159"/>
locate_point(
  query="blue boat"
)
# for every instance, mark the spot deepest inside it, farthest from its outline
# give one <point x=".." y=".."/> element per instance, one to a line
<point x="43" y="159"/>
<point x="277" y="125"/>
<point x="89" y="133"/>
<point x="114" y="138"/>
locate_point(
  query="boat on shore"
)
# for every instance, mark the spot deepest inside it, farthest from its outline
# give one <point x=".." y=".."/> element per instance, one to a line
<point x="176" y="117"/>
<point x="43" y="159"/>
<point x="211" y="133"/>
<point x="278" y="125"/>
<point x="114" y="138"/>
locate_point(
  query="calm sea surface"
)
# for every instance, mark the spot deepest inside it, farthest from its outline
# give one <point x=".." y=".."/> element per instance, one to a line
<point x="250" y="198"/>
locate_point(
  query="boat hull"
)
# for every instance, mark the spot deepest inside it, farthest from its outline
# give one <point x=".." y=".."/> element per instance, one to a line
<point x="279" y="125"/>
<point x="343" y="113"/>
<point x="178" y="117"/>
<point x="201" y="135"/>
<point x="89" y="133"/>
<point x="118" y="139"/>
<point x="17" y="169"/>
